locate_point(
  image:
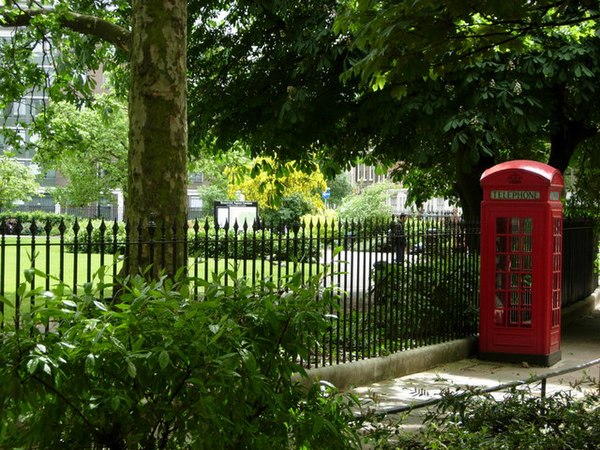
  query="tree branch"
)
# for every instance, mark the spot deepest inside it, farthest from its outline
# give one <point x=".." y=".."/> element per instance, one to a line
<point x="80" y="23"/>
<point x="51" y="388"/>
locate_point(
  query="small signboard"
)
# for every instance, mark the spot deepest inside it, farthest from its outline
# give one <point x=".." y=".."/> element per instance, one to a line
<point x="327" y="194"/>
<point x="230" y="212"/>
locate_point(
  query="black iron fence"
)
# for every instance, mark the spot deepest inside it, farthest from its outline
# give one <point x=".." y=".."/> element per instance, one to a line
<point x="580" y="260"/>
<point x="399" y="287"/>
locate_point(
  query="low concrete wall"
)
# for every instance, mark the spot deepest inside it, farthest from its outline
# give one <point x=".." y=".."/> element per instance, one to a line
<point x="369" y="371"/>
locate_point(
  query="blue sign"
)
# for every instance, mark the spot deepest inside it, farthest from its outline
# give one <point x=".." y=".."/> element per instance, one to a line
<point x="327" y="193"/>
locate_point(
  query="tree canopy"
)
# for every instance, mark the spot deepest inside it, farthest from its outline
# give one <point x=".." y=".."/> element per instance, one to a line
<point x="268" y="73"/>
<point x="448" y="88"/>
<point x="17" y="181"/>
<point x="371" y="204"/>
<point x="438" y="90"/>
<point x="88" y="146"/>
<point x="57" y="44"/>
<point x="498" y="80"/>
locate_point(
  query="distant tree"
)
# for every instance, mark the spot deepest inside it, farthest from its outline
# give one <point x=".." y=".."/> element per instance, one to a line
<point x="370" y="204"/>
<point x="209" y="194"/>
<point x="88" y="146"/>
<point x="218" y="172"/>
<point x="17" y="181"/>
<point x="340" y="188"/>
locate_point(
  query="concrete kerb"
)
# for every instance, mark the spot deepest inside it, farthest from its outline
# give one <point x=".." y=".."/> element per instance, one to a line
<point x="373" y="370"/>
<point x="368" y="371"/>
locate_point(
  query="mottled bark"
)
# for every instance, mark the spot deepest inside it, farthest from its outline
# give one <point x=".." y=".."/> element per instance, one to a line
<point x="157" y="193"/>
<point x="157" y="179"/>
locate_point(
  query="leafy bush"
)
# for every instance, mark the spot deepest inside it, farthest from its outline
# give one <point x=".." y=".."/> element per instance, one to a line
<point x="295" y="245"/>
<point x="437" y="295"/>
<point x="518" y="421"/>
<point x="158" y="370"/>
<point x="289" y="212"/>
<point x="92" y="238"/>
<point x="42" y="219"/>
<point x="370" y="204"/>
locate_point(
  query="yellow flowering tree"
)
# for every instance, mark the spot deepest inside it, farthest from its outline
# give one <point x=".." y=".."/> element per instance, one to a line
<point x="278" y="186"/>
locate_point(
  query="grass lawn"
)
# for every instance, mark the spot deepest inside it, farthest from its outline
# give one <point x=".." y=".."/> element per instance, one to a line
<point x="75" y="270"/>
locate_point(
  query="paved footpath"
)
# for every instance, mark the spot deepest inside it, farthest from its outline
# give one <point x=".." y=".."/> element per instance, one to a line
<point x="580" y="344"/>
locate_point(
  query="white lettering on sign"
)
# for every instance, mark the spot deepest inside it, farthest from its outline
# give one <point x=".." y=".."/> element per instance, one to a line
<point x="515" y="195"/>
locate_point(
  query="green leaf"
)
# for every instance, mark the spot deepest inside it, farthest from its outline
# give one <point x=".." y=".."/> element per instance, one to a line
<point x="164" y="359"/>
<point x="90" y="362"/>
<point x="6" y="301"/>
<point x="88" y="287"/>
<point x="29" y="275"/>
<point x="41" y="348"/>
<point x="32" y="365"/>
<point x="69" y="303"/>
<point x="21" y="289"/>
<point x="101" y="306"/>
<point x="131" y="369"/>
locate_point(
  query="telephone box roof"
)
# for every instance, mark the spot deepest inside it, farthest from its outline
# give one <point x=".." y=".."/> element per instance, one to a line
<point x="541" y="170"/>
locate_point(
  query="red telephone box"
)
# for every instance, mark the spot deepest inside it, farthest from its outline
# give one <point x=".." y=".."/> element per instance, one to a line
<point x="521" y="247"/>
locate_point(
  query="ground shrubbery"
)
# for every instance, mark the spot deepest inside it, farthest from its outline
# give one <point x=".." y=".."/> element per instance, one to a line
<point x="434" y="295"/>
<point x="43" y="221"/>
<point x="519" y="421"/>
<point x="160" y="371"/>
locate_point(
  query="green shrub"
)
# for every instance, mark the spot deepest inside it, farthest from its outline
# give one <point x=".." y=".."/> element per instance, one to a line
<point x="216" y="244"/>
<point x="435" y="294"/>
<point x="158" y="370"/>
<point x="266" y="244"/>
<point x="42" y="219"/>
<point x="517" y="421"/>
<point x="91" y="237"/>
<point x="289" y="211"/>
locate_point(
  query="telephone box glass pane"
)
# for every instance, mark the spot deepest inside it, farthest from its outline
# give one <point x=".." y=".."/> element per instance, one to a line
<point x="514" y="271"/>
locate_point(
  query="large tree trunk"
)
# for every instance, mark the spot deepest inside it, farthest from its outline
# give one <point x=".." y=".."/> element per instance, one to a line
<point x="469" y="190"/>
<point x="564" y="140"/>
<point x="157" y="192"/>
<point x="565" y="133"/>
<point x="468" y="185"/>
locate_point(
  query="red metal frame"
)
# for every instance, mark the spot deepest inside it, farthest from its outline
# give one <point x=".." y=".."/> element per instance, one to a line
<point x="521" y="243"/>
